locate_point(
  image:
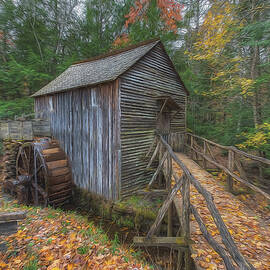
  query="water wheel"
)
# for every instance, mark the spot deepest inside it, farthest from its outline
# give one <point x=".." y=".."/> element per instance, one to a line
<point x="25" y="160"/>
<point x="47" y="166"/>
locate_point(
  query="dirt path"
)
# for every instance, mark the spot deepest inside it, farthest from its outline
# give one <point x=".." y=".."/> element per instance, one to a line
<point x="251" y="235"/>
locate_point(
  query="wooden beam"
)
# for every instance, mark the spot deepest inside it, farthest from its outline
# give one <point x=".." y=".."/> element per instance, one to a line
<point x="210" y="239"/>
<point x="153" y="192"/>
<point x="177" y="204"/>
<point x="216" y="144"/>
<point x="231" y="168"/>
<point x="158" y="169"/>
<point x="12" y="216"/>
<point x="250" y="156"/>
<point x="151" y="147"/>
<point x="210" y="152"/>
<point x="239" y="167"/>
<point x="226" y="170"/>
<point x="186" y="219"/>
<point x="169" y="187"/>
<point x="170" y="242"/>
<point x="153" y="156"/>
<point x="162" y="108"/>
<point x="8" y="227"/>
<point x="164" y="208"/>
<point x="224" y="232"/>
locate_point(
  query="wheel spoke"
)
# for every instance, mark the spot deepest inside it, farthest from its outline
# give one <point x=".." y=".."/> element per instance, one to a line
<point x="27" y="160"/>
<point x="37" y="171"/>
<point x="21" y="171"/>
<point x="24" y="161"/>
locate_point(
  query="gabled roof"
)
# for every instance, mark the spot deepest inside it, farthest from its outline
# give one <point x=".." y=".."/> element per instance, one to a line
<point x="101" y="69"/>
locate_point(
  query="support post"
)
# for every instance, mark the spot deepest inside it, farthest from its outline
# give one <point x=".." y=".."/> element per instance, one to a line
<point x="169" y="187"/>
<point x="204" y="152"/>
<point x="231" y="168"/>
<point x="153" y="156"/>
<point x="161" y="173"/>
<point x="186" y="219"/>
<point x="191" y="145"/>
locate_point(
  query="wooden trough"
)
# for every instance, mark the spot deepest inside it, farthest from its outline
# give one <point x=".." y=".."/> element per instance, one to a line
<point x="9" y="222"/>
<point x="24" y="129"/>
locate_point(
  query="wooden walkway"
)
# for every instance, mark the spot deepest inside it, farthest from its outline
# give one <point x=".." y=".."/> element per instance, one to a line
<point x="251" y="235"/>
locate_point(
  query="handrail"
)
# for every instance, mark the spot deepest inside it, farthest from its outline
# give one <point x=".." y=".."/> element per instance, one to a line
<point x="211" y="142"/>
<point x="230" y="254"/>
<point x="226" y="170"/>
<point x="233" y="148"/>
<point x="223" y="230"/>
<point x="232" y="161"/>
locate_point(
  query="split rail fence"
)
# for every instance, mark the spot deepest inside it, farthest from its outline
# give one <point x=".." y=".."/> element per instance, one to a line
<point x="181" y="241"/>
<point x="246" y="168"/>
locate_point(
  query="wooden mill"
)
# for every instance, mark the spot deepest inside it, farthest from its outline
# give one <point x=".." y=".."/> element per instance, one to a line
<point x="112" y="120"/>
<point x="105" y="112"/>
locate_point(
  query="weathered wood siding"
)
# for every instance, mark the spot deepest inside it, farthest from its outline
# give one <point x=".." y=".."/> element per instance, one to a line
<point x="24" y="129"/>
<point x="152" y="76"/>
<point x="87" y="124"/>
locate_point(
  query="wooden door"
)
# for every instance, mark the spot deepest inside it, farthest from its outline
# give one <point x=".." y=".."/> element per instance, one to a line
<point x="164" y="123"/>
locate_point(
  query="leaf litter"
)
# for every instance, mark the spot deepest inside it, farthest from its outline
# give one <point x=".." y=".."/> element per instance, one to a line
<point x="53" y="239"/>
<point x="250" y="233"/>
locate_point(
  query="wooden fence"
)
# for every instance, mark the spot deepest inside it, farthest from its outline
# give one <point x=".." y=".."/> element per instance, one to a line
<point x="24" y="129"/>
<point x="181" y="241"/>
<point x="230" y="160"/>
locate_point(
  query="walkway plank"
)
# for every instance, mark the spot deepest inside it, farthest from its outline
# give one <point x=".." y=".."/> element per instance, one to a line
<point x="251" y="235"/>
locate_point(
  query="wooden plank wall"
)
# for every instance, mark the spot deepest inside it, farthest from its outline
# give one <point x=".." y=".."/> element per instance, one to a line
<point x="152" y="76"/>
<point x="86" y="123"/>
<point x="24" y="129"/>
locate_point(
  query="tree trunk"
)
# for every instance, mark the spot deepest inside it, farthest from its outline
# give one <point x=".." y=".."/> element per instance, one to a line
<point x="254" y="73"/>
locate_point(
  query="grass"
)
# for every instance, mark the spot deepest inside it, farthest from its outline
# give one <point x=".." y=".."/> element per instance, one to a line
<point x="32" y="265"/>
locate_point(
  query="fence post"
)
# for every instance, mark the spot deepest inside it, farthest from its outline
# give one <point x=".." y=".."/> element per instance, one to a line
<point x="161" y="173"/>
<point x="231" y="168"/>
<point x="186" y="218"/>
<point x="191" y="146"/>
<point x="204" y="152"/>
<point x="169" y="187"/>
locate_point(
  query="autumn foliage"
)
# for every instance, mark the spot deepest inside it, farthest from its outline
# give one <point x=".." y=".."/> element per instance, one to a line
<point x="169" y="15"/>
<point x="170" y="12"/>
<point x="121" y="40"/>
<point x="54" y="240"/>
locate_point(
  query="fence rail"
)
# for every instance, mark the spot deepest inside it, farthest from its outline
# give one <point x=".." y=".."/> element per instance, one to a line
<point x="231" y="163"/>
<point x="230" y="254"/>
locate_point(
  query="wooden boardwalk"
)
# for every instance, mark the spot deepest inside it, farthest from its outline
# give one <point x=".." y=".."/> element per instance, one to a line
<point x="251" y="235"/>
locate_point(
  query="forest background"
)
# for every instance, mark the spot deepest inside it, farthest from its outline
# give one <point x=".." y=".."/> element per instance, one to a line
<point x="221" y="49"/>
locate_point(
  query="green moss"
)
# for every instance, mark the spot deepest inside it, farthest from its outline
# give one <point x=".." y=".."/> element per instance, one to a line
<point x="135" y="212"/>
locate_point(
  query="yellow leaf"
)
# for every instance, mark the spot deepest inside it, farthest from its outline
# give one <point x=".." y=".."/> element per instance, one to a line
<point x="200" y="252"/>
<point x="49" y="257"/>
<point x="257" y="264"/>
<point x="73" y="236"/>
<point x="70" y="267"/>
<point x="212" y="266"/>
<point x="2" y="264"/>
<point x="45" y="248"/>
<point x="194" y="256"/>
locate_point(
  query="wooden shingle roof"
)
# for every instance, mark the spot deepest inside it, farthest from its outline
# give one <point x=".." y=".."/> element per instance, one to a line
<point x="98" y="70"/>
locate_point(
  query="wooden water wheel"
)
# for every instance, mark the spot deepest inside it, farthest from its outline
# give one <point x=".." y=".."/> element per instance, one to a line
<point x="46" y="165"/>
